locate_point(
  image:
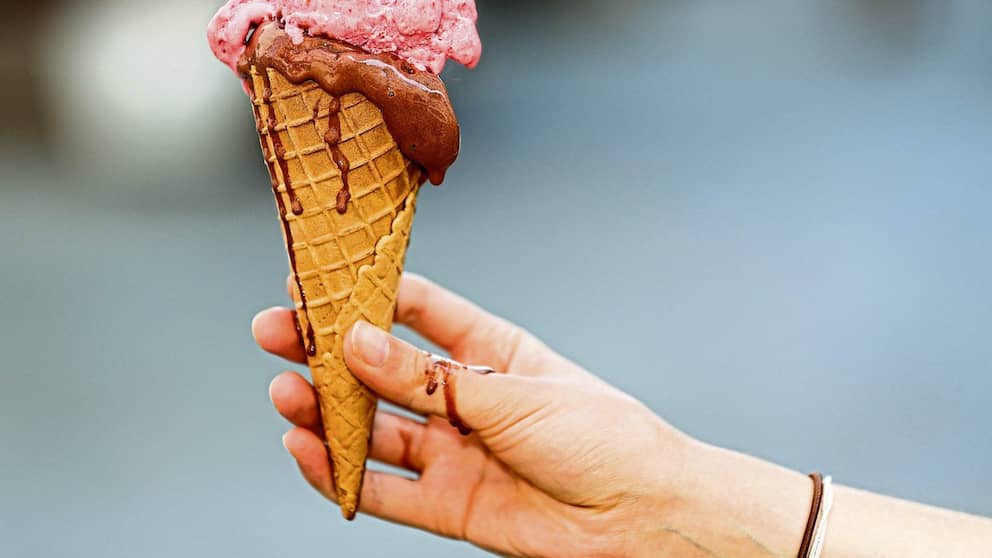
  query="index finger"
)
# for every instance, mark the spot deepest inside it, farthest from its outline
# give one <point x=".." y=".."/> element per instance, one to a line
<point x="439" y="315"/>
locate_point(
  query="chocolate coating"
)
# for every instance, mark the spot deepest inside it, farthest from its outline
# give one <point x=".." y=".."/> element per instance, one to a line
<point x="414" y="104"/>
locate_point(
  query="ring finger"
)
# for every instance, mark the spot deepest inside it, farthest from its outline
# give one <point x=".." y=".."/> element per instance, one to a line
<point x="396" y="440"/>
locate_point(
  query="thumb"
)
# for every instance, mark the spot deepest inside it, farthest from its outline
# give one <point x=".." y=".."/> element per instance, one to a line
<point x="472" y="398"/>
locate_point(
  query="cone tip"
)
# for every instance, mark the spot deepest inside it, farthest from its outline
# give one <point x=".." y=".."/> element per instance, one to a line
<point x="349" y="510"/>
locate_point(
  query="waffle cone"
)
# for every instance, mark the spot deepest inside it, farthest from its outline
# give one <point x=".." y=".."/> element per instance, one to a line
<point x="348" y="265"/>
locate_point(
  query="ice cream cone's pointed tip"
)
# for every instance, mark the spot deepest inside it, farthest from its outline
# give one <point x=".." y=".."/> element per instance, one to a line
<point x="349" y="511"/>
<point x="347" y="501"/>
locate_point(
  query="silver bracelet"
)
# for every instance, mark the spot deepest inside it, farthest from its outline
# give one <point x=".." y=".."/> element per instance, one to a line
<point x="822" y="518"/>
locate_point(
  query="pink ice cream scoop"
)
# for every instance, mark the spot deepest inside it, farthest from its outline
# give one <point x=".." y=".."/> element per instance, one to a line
<point x="425" y="33"/>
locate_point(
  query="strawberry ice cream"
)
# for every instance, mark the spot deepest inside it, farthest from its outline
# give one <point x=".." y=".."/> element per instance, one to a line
<point x="425" y="33"/>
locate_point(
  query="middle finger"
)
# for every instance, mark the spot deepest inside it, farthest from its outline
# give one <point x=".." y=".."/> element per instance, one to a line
<point x="397" y="441"/>
<point x="275" y="332"/>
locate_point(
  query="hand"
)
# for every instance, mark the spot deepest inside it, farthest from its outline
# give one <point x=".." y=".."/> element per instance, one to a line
<point x="560" y="464"/>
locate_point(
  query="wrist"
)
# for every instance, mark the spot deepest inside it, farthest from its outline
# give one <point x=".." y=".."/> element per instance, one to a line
<point x="727" y="504"/>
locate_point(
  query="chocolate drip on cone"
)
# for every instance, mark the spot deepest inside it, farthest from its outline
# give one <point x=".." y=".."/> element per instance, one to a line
<point x="309" y="336"/>
<point x="414" y="104"/>
<point x="294" y="200"/>
<point x="333" y="140"/>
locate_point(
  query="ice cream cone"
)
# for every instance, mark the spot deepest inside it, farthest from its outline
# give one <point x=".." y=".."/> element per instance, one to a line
<point x="347" y="208"/>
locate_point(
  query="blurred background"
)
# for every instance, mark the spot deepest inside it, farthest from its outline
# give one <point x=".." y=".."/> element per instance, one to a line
<point x="768" y="220"/>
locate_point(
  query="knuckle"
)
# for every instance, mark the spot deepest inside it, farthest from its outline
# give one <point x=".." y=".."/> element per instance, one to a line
<point x="416" y="294"/>
<point x="415" y="373"/>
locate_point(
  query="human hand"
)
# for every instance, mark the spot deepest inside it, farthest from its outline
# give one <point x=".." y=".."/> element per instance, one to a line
<point x="560" y="464"/>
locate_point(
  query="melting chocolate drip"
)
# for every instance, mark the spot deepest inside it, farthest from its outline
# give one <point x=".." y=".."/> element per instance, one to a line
<point x="333" y="140"/>
<point x="449" y="400"/>
<point x="299" y="330"/>
<point x="441" y="372"/>
<point x="281" y="152"/>
<point x="310" y="343"/>
<point x="433" y="378"/>
<point x="414" y="104"/>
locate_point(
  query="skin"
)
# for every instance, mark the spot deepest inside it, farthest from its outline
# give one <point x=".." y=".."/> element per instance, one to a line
<point x="562" y="464"/>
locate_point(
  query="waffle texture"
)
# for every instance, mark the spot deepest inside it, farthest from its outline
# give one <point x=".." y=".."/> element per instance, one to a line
<point x="349" y="265"/>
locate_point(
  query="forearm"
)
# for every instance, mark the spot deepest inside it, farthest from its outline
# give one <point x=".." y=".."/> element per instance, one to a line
<point x="732" y="505"/>
<point x="865" y="525"/>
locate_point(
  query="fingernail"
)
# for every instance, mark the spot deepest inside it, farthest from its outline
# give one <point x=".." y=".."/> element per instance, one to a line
<point x="371" y="344"/>
<point x="271" y="386"/>
<point x="284" y="444"/>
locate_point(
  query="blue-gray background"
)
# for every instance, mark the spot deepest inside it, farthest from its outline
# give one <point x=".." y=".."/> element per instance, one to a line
<point x="769" y="220"/>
